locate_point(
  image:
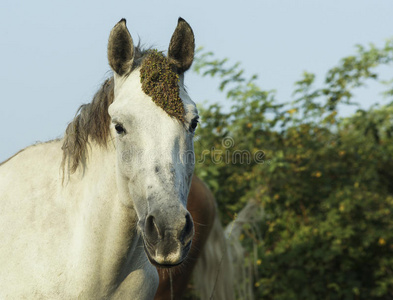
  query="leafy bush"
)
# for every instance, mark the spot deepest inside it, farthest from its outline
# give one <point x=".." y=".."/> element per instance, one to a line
<point x="325" y="182"/>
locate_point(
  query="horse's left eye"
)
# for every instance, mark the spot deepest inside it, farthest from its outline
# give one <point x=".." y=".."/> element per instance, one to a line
<point x="193" y="125"/>
<point x="120" y="129"/>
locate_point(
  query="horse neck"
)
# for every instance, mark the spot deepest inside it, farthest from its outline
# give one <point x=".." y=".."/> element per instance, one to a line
<point x="105" y="228"/>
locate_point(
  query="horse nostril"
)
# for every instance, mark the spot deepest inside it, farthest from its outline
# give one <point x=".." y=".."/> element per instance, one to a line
<point x="151" y="228"/>
<point x="188" y="230"/>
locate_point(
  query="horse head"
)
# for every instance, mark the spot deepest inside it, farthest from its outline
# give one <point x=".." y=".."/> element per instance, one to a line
<point x="153" y="121"/>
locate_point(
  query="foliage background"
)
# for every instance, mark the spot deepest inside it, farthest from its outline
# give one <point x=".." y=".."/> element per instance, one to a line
<point x="324" y="181"/>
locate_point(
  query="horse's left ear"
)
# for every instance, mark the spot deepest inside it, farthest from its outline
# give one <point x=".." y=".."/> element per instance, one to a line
<point x="120" y="49"/>
<point x="182" y="46"/>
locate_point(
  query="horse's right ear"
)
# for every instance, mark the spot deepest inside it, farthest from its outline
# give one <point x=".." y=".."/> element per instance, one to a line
<point x="120" y="49"/>
<point x="182" y="46"/>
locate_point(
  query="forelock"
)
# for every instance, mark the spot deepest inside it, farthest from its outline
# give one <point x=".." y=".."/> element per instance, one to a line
<point x="160" y="81"/>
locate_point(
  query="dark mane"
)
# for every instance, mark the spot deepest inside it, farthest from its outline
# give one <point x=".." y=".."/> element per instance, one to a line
<point x="91" y="123"/>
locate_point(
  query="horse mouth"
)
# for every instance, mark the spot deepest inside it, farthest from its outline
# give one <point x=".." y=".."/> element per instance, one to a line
<point x="166" y="263"/>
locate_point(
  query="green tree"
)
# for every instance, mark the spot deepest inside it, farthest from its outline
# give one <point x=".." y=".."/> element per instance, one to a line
<point x="325" y="182"/>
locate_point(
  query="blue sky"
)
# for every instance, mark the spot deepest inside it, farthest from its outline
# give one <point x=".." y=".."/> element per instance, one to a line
<point x="53" y="53"/>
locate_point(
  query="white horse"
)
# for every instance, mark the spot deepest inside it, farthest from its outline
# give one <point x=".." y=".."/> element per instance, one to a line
<point x="82" y="217"/>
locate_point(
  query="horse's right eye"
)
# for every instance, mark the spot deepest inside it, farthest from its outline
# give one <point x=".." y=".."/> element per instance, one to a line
<point x="120" y="129"/>
<point x="194" y="124"/>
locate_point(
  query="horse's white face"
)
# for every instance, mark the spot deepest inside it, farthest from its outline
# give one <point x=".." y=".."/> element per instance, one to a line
<point x="155" y="151"/>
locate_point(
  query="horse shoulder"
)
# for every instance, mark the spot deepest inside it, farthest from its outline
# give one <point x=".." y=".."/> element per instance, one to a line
<point x="28" y="219"/>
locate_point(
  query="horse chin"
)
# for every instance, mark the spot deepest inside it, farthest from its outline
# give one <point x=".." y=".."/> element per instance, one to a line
<point x="167" y="264"/>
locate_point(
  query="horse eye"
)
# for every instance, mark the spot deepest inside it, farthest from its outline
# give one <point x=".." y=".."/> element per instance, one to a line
<point x="194" y="124"/>
<point x="120" y="129"/>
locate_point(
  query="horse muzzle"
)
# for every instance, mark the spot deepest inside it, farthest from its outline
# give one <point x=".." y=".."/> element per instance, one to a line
<point x="167" y="240"/>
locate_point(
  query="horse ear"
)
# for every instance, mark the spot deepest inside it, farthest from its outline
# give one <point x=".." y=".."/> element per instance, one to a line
<point x="120" y="49"/>
<point x="182" y="46"/>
